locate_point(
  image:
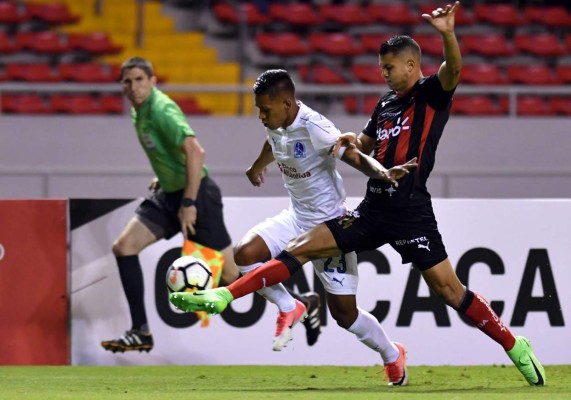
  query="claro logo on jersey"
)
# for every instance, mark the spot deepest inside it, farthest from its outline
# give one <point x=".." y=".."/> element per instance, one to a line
<point x="291" y="172"/>
<point x="385" y="133"/>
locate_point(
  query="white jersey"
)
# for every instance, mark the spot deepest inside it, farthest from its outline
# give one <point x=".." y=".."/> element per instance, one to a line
<point x="302" y="153"/>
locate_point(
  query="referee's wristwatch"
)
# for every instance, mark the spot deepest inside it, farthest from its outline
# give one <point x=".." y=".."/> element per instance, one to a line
<point x="188" y="202"/>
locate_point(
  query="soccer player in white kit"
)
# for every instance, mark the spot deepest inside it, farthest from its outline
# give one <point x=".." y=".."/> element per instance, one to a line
<point x="300" y="140"/>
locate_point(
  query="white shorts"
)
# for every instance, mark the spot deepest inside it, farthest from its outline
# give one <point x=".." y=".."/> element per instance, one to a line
<point x="338" y="275"/>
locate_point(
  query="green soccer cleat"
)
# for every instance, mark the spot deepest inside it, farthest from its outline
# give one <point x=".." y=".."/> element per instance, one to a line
<point x="213" y="301"/>
<point x="524" y="359"/>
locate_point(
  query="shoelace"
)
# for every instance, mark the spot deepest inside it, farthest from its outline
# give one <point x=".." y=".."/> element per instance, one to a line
<point x="386" y="370"/>
<point x="281" y="322"/>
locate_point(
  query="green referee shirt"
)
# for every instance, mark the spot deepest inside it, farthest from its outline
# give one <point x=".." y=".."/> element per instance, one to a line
<point x="161" y="127"/>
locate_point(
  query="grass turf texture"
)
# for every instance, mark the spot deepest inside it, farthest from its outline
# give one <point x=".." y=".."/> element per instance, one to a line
<point x="269" y="382"/>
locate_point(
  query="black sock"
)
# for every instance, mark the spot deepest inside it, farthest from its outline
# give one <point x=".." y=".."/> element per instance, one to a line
<point x="132" y="280"/>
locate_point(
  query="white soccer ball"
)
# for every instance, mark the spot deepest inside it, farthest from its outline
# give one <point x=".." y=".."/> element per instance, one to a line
<point x="188" y="274"/>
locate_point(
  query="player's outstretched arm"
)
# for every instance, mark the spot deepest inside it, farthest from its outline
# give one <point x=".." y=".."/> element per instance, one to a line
<point x="257" y="170"/>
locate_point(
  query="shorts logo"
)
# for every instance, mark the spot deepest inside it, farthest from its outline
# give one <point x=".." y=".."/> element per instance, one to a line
<point x="338" y="281"/>
<point x="422" y="242"/>
<point x="347" y="220"/>
<point x="298" y="150"/>
<point x="424" y="246"/>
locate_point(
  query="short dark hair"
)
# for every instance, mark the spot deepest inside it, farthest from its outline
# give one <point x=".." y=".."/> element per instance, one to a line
<point x="274" y="81"/>
<point x="138" y="62"/>
<point x="399" y="43"/>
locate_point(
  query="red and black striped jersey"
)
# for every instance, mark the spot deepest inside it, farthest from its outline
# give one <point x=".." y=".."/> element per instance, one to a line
<point x="404" y="127"/>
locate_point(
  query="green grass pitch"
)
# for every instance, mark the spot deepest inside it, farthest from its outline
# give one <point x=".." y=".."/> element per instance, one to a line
<point x="273" y="382"/>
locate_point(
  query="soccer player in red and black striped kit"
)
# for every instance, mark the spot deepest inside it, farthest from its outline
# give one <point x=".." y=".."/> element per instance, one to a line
<point x="407" y="122"/>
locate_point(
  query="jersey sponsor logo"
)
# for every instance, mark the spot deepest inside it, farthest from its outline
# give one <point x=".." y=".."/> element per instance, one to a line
<point x="291" y="172"/>
<point x="298" y="150"/>
<point x="148" y="140"/>
<point x="378" y="190"/>
<point x="384" y="133"/>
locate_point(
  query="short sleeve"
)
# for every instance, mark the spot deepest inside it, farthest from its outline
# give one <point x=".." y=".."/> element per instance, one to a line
<point x="323" y="134"/>
<point x="172" y="124"/>
<point x="436" y="96"/>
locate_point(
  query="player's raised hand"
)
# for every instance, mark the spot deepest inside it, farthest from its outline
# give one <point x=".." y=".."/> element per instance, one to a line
<point x="442" y="19"/>
<point x="398" y="171"/>
<point x="154" y="185"/>
<point x="347" y="139"/>
<point x="255" y="176"/>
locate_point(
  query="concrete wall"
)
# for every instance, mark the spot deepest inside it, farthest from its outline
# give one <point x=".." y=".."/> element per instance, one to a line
<point x="100" y="157"/>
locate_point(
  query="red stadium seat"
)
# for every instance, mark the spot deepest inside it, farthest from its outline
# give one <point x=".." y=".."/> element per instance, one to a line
<point x="364" y="105"/>
<point x="429" y="69"/>
<point x="43" y="42"/>
<point x="540" y="44"/>
<point x="52" y="13"/>
<point x="430" y="44"/>
<point x="32" y="72"/>
<point x="476" y="106"/>
<point x="499" y="14"/>
<point x="94" y="43"/>
<point x="25" y="104"/>
<point x="394" y="14"/>
<point x="462" y="17"/>
<point x="7" y="45"/>
<point x="282" y="44"/>
<point x="563" y="73"/>
<point x="296" y="14"/>
<point x="531" y="75"/>
<point x="335" y="44"/>
<point x="75" y="104"/>
<point x="226" y="12"/>
<point x="346" y="14"/>
<point x="367" y="73"/>
<point x="12" y="12"/>
<point x="190" y="106"/>
<point x="533" y="106"/>
<point x="320" y="74"/>
<point x="87" y="72"/>
<point x="483" y="74"/>
<point x="112" y="103"/>
<point x="561" y="105"/>
<point x="371" y="42"/>
<point x="550" y="16"/>
<point x="490" y="45"/>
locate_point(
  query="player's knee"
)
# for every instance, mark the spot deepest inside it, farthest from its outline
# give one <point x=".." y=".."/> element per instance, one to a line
<point x="124" y="247"/>
<point x="244" y="255"/>
<point x="344" y="318"/>
<point x="450" y="294"/>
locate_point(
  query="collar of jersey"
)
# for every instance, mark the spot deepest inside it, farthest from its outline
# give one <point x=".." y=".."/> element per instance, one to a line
<point x="296" y="122"/>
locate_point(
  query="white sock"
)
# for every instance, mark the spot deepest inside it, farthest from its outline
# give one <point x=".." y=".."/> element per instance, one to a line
<point x="370" y="332"/>
<point x="276" y="294"/>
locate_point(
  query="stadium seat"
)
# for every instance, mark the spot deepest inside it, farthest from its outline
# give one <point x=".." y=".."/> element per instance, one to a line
<point x="430" y="44"/>
<point x="346" y="14"/>
<point x="75" y="104"/>
<point x="477" y="105"/>
<point x="563" y="73"/>
<point x="531" y="75"/>
<point x="568" y="42"/>
<point x="371" y="42"/>
<point x="43" y="42"/>
<point x="483" y="74"/>
<point x="282" y="44"/>
<point x="86" y="72"/>
<point x="52" y="13"/>
<point x="25" y="104"/>
<point x="12" y="12"/>
<point x="367" y="73"/>
<point x="296" y="14"/>
<point x="112" y="104"/>
<point x="94" y="43"/>
<point x="429" y="69"/>
<point x="550" y="16"/>
<point x="190" y="106"/>
<point x="31" y="72"/>
<point x="363" y="105"/>
<point x="504" y="15"/>
<point x="335" y="44"/>
<point x="320" y="74"/>
<point x="489" y="45"/>
<point x="561" y="105"/>
<point x="540" y="44"/>
<point x="393" y="14"/>
<point x="227" y="13"/>
<point x="533" y="106"/>
<point x="462" y="17"/>
<point x="7" y="45"/>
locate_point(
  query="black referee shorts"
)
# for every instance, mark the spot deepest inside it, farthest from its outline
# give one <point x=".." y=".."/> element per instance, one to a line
<point x="412" y="231"/>
<point x="159" y="212"/>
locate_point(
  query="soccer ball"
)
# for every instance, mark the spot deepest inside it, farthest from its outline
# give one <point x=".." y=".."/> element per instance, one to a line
<point x="188" y="274"/>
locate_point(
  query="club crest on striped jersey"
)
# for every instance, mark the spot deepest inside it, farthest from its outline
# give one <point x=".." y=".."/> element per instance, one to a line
<point x="386" y="133"/>
<point x="298" y="150"/>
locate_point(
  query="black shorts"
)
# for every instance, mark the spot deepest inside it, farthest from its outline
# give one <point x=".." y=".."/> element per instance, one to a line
<point x="159" y="212"/>
<point x="412" y="231"/>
